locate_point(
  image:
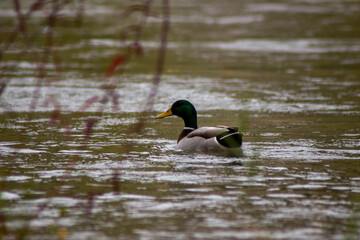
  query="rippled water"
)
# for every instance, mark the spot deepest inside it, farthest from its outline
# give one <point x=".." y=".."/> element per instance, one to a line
<point x="287" y="73"/>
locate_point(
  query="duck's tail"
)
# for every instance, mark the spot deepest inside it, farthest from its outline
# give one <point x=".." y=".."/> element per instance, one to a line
<point x="231" y="138"/>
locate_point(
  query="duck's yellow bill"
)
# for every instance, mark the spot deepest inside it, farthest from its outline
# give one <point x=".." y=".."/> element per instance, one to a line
<point x="165" y="114"/>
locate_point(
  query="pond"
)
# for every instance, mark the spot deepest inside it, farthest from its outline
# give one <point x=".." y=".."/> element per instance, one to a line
<point x="81" y="158"/>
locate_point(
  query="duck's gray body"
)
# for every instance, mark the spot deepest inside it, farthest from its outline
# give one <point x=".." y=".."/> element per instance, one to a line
<point x="209" y="139"/>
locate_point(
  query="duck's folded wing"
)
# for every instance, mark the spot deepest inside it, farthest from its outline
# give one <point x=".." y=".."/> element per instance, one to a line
<point x="225" y="136"/>
<point x="209" y="132"/>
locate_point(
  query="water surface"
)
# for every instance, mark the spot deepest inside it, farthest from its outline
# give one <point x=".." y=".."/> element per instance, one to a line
<point x="286" y="72"/>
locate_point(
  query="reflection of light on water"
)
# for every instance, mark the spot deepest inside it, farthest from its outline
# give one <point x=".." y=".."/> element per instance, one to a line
<point x="289" y="46"/>
<point x="298" y="46"/>
<point x="9" y="196"/>
<point x="203" y="92"/>
<point x="304" y="149"/>
<point x="285" y="195"/>
<point x="17" y="178"/>
<point x="244" y="19"/>
<point x="302" y="7"/>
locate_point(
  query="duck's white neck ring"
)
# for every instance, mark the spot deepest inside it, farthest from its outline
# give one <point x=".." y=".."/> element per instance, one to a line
<point x="189" y="128"/>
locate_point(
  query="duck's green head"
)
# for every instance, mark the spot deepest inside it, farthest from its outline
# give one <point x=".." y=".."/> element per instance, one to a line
<point x="183" y="109"/>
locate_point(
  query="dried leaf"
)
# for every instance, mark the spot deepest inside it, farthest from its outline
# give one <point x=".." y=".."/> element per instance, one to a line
<point x="120" y="59"/>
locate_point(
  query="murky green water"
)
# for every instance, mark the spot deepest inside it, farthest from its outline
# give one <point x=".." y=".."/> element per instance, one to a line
<point x="286" y="72"/>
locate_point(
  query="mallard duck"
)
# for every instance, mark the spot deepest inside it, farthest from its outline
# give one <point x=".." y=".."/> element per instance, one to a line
<point x="202" y="139"/>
